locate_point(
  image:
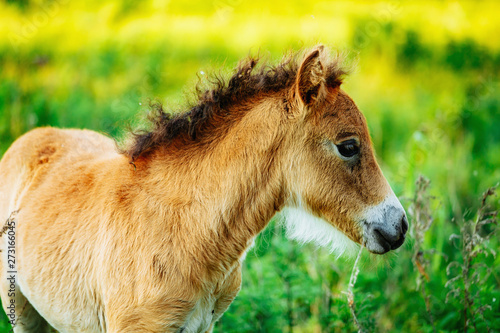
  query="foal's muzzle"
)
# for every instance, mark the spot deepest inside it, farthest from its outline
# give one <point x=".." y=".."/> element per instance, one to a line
<point x="385" y="226"/>
<point x="390" y="238"/>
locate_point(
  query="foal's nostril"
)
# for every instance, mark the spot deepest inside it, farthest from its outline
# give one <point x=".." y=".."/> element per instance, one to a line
<point x="389" y="241"/>
<point x="404" y="224"/>
<point x="386" y="227"/>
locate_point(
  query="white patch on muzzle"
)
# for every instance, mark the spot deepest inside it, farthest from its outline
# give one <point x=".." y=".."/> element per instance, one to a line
<point x="304" y="227"/>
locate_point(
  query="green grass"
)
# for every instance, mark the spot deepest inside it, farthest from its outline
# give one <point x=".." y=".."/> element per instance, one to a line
<point x="427" y="80"/>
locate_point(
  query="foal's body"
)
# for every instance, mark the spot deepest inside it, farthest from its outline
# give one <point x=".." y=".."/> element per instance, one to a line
<point x="151" y="239"/>
<point x="112" y="278"/>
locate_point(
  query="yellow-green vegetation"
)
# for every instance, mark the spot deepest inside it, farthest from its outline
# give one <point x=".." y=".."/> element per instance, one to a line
<point x="426" y="77"/>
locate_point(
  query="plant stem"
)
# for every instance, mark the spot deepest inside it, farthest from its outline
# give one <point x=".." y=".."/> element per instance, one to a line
<point x="350" y="293"/>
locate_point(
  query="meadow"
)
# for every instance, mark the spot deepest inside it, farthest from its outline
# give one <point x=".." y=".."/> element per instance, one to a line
<point x="425" y="74"/>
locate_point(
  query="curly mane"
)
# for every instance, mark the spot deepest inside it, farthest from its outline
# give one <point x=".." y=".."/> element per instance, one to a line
<point x="249" y="80"/>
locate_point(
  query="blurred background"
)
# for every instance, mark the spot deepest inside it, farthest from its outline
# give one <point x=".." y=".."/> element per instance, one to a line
<point x="426" y="78"/>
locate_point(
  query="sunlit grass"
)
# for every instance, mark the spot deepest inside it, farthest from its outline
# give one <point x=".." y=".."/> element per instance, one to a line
<point x="426" y="79"/>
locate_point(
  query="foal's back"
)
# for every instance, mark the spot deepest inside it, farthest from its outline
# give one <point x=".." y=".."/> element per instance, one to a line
<point x="43" y="171"/>
<point x="47" y="153"/>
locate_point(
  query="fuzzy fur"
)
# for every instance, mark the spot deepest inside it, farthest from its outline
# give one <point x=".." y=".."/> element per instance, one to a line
<point x="106" y="246"/>
<point x="304" y="227"/>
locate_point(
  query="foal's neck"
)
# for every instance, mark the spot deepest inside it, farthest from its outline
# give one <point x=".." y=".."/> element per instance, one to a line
<point x="234" y="187"/>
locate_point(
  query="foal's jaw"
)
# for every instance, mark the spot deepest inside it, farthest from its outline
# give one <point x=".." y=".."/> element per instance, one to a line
<point x="384" y="225"/>
<point x="304" y="227"/>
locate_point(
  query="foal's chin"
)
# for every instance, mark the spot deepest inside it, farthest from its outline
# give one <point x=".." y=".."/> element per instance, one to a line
<point x="381" y="246"/>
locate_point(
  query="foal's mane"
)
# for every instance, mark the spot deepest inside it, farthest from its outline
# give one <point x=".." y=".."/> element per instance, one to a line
<point x="249" y="80"/>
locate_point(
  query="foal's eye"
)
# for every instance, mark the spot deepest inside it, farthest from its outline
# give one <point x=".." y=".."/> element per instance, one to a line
<point x="348" y="148"/>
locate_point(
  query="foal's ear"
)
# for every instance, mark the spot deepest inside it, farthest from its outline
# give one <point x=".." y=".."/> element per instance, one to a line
<point x="310" y="80"/>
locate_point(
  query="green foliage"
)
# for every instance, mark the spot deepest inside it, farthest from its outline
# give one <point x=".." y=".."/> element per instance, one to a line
<point x="471" y="273"/>
<point x="427" y="80"/>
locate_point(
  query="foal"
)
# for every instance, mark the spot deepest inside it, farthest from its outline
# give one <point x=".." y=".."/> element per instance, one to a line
<point x="151" y="239"/>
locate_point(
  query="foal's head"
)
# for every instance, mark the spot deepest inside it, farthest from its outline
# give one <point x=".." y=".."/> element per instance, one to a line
<point x="336" y="186"/>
